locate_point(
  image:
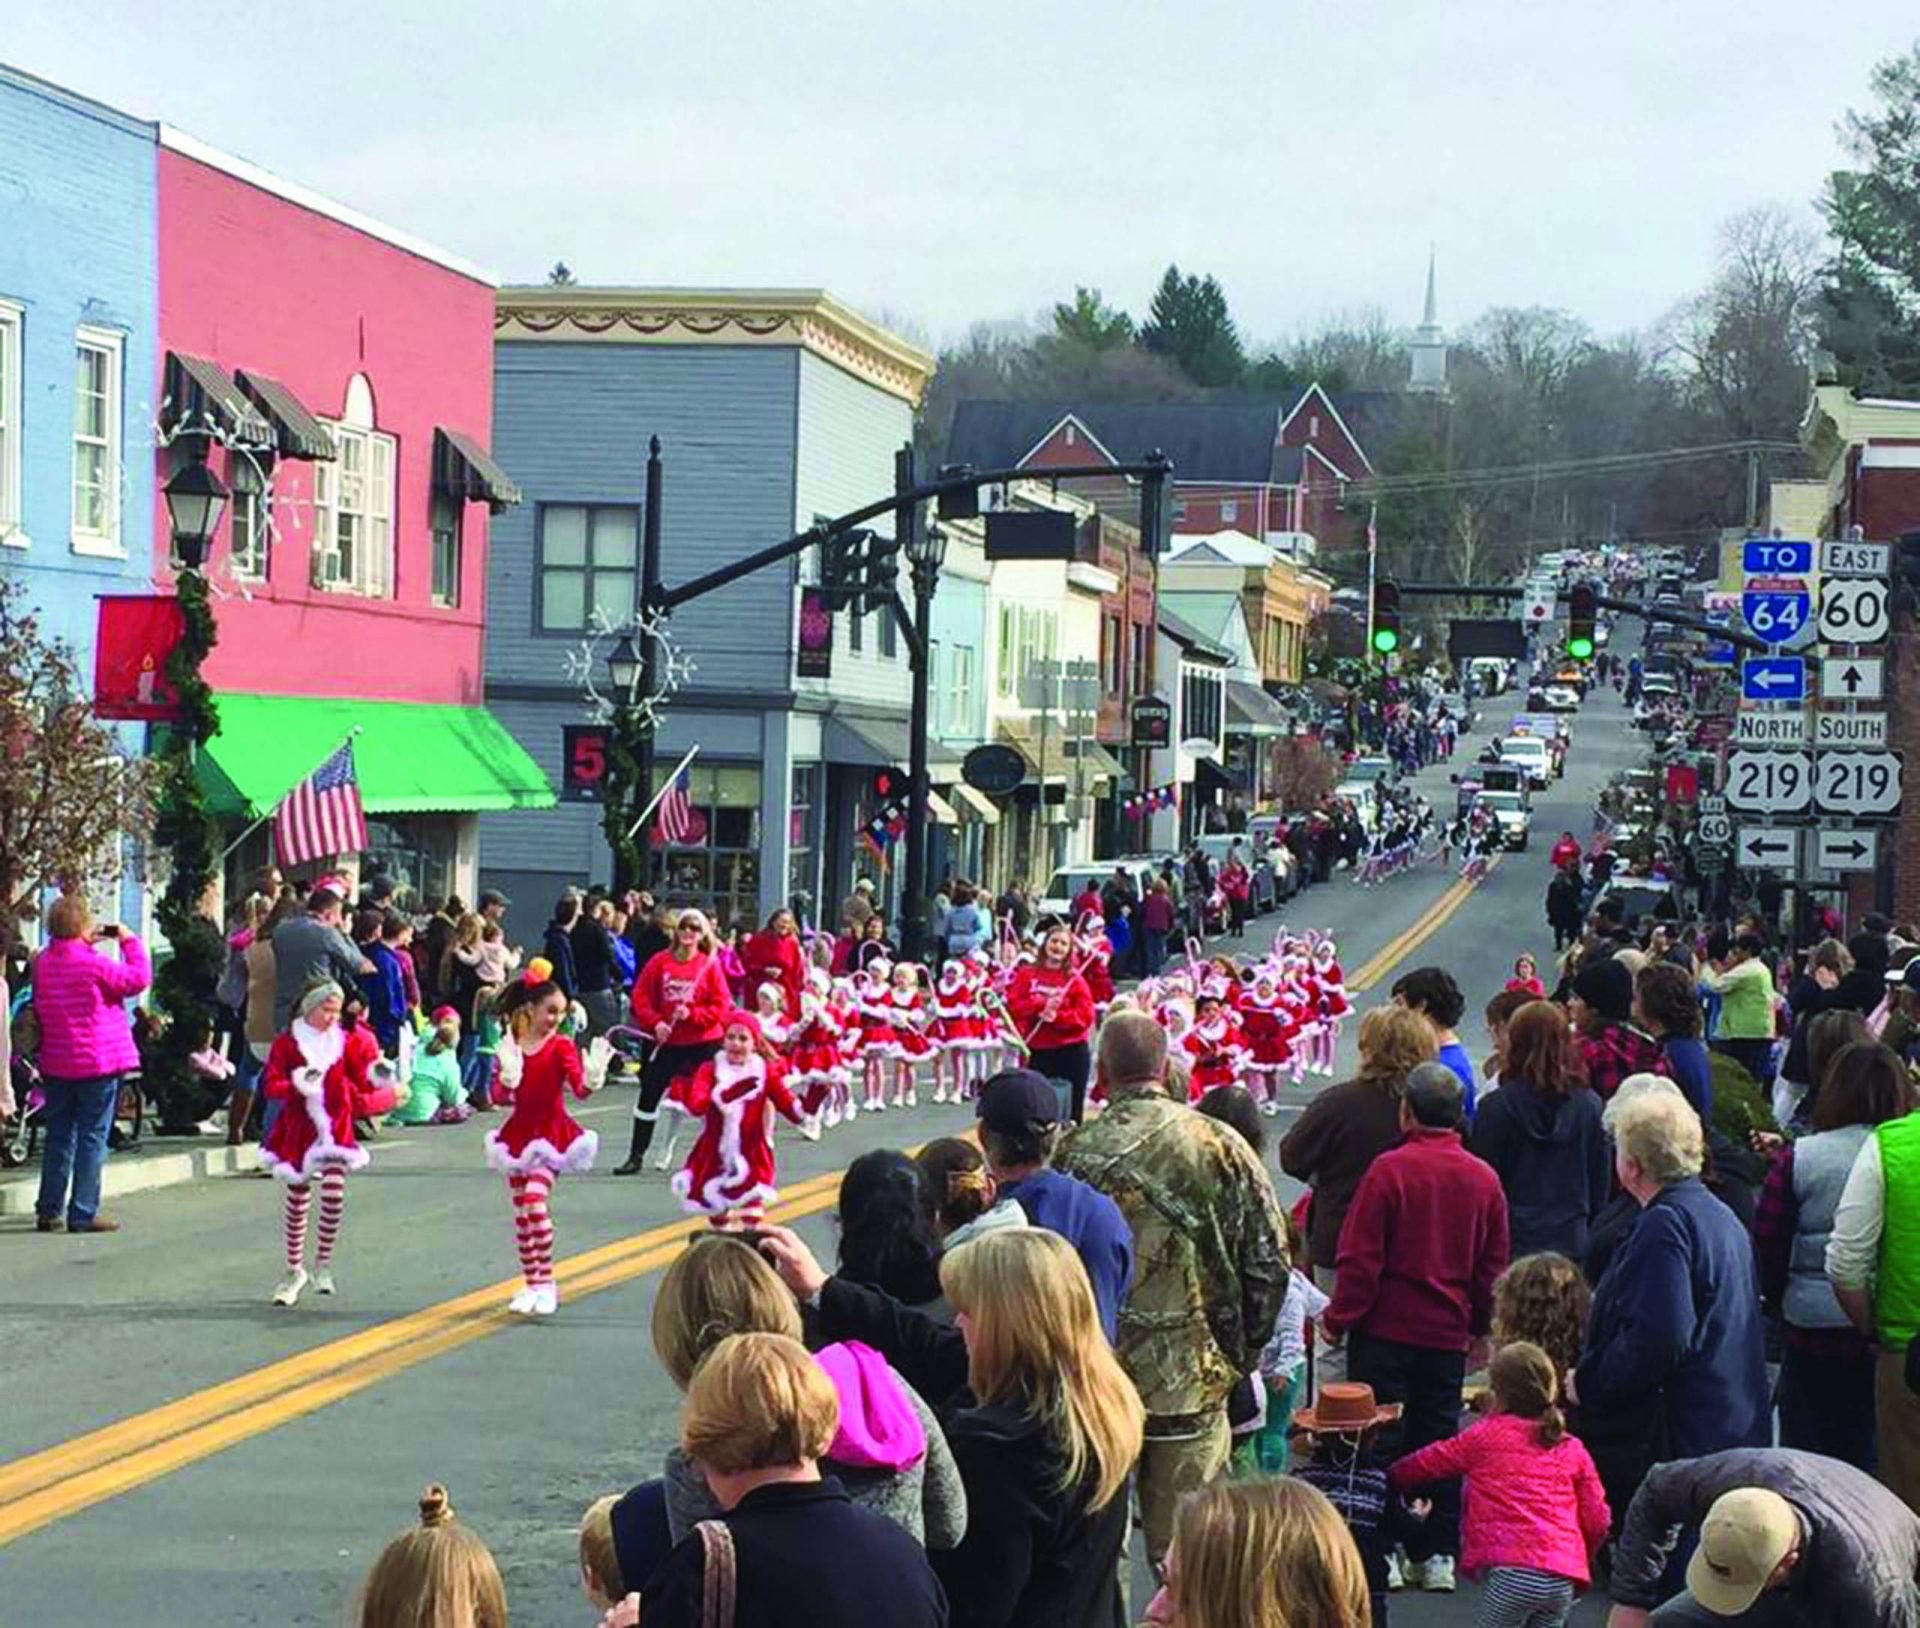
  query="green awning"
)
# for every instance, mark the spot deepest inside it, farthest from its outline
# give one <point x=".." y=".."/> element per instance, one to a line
<point x="411" y="757"/>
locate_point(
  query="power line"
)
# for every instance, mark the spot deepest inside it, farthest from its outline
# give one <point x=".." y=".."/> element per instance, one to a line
<point x="1561" y="468"/>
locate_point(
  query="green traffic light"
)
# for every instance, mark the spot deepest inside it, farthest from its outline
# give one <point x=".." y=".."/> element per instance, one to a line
<point x="1386" y="640"/>
<point x="1580" y="649"/>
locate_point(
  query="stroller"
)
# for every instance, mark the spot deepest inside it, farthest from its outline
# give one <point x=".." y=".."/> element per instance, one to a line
<point x="20" y="1136"/>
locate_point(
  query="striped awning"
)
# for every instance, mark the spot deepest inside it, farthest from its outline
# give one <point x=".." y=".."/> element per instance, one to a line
<point x="200" y="398"/>
<point x="463" y="470"/>
<point x="296" y="432"/>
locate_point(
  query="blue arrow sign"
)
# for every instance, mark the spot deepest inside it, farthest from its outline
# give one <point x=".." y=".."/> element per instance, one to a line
<point x="1773" y="557"/>
<point x="1773" y="678"/>
<point x="1776" y="617"/>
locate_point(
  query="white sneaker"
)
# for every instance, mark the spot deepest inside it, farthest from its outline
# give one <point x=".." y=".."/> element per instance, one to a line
<point x="521" y="1304"/>
<point x="939" y="1094"/>
<point x="290" y="1287"/>
<point x="546" y="1301"/>
<point x="853" y="1111"/>
<point x="1436" y="1576"/>
<point x="832" y="1117"/>
<point x="913" y="1099"/>
<point x="1396" y="1572"/>
<point x="322" y="1280"/>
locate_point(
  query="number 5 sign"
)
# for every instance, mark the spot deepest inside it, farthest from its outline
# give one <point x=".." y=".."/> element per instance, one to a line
<point x="1853" y="612"/>
<point x="583" y="762"/>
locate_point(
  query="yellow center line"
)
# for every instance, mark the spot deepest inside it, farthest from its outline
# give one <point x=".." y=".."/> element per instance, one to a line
<point x="76" y="1474"/>
<point x="1436" y="916"/>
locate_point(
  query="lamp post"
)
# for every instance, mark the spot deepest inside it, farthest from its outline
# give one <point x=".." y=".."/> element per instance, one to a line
<point x="926" y="549"/>
<point x="184" y="987"/>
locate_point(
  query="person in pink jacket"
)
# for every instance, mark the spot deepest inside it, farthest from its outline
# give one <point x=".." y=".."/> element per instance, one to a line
<point x="86" y="1045"/>
<point x="1534" y="1513"/>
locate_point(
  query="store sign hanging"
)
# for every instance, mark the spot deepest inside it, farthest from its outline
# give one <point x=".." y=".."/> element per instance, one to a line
<point x="813" y="658"/>
<point x="1150" y="721"/>
<point x="583" y="762"/>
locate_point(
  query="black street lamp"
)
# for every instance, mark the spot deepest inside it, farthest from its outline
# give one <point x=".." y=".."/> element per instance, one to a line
<point x="926" y="549"/>
<point x="196" y="498"/>
<point x="623" y="669"/>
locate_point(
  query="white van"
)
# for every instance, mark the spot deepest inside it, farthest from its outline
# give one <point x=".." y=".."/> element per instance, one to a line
<point x="1531" y="753"/>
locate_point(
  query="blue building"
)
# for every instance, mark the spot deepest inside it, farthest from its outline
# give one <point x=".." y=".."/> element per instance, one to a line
<point x="773" y="407"/>
<point x="78" y="373"/>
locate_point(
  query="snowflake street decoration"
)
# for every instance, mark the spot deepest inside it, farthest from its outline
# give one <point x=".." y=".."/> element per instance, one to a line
<point x="586" y="665"/>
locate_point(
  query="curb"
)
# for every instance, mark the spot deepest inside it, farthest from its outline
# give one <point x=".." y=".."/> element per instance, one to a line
<point x="139" y="1174"/>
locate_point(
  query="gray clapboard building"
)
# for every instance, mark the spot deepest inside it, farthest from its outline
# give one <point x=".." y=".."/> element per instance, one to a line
<point x="772" y="406"/>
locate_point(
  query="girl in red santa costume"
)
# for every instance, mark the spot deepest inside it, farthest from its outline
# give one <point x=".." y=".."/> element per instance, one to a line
<point x="536" y="1067"/>
<point x="1215" y="1046"/>
<point x="323" y="1073"/>
<point x="879" y="1045"/>
<point x="817" y="1065"/>
<point x="956" y="1031"/>
<point x="1269" y="1026"/>
<point x="728" y="1177"/>
<point x="911" y="1018"/>
<point x="1329" y="985"/>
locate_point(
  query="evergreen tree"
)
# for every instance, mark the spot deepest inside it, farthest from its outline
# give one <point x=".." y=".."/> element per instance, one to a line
<point x="1190" y="323"/>
<point x="1090" y="321"/>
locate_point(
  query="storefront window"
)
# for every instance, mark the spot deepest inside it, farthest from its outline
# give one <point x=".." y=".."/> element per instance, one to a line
<point x="417" y="853"/>
<point x="801" y="881"/>
<point x="718" y="868"/>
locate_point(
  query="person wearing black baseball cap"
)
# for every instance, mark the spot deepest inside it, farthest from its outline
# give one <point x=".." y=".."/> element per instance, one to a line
<point x="1019" y="1113"/>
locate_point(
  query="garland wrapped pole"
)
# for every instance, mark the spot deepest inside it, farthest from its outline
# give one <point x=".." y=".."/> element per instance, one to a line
<point x="184" y="985"/>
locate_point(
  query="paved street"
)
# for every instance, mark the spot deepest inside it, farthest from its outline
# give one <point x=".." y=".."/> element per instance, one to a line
<point x="241" y="1464"/>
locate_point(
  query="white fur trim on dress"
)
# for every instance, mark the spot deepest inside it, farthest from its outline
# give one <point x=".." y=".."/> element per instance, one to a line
<point x="713" y="1198"/>
<point x="540" y="1154"/>
<point x="322" y="1151"/>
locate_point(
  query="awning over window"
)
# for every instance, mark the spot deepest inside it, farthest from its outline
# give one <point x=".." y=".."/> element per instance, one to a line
<point x="876" y="743"/>
<point x="976" y="805"/>
<point x="1211" y="776"/>
<point x="462" y="469"/>
<point x="200" y="398"/>
<point x="411" y="757"/>
<point x="1251" y="711"/>
<point x="1061" y="751"/>
<point x="296" y="432"/>
<point x="942" y="811"/>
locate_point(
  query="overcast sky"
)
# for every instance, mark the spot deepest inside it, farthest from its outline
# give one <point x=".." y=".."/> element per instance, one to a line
<point x="948" y="164"/>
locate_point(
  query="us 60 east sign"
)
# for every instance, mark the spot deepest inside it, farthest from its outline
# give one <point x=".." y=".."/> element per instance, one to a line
<point x="1853" y="611"/>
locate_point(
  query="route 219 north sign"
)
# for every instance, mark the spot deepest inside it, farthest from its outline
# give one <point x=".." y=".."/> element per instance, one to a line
<point x="1770" y="782"/>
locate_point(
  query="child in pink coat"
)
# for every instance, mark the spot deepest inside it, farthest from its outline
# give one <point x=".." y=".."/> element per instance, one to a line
<point x="1534" y="1512"/>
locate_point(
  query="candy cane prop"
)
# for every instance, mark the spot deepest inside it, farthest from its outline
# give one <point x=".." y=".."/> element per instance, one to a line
<point x="991" y="1001"/>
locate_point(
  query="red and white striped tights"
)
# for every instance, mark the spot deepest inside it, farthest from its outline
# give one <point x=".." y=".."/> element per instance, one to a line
<point x="333" y="1203"/>
<point x="533" y="1225"/>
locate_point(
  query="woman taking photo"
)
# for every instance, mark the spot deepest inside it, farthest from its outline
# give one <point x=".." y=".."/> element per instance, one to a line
<point x="1053" y="1008"/>
<point x="1541" y="1133"/>
<point x="680" y="1001"/>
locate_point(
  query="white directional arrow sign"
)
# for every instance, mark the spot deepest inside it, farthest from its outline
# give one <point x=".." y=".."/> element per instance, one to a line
<point x="1853" y="678"/>
<point x="1768" y="847"/>
<point x="1845" y="850"/>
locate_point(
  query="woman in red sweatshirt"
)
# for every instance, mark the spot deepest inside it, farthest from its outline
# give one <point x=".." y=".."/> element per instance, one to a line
<point x="774" y="956"/>
<point x="1053" y="1007"/>
<point x="680" y="1002"/>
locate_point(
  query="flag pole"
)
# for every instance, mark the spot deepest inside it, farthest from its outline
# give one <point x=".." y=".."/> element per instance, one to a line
<point x="678" y="770"/>
<point x="227" y="852"/>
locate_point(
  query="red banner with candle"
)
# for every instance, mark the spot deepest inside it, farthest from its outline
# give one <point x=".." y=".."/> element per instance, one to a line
<point x="137" y="633"/>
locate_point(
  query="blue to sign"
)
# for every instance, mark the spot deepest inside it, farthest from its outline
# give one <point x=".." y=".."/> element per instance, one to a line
<point x="1776" y="617"/>
<point x="1772" y="557"/>
<point x="1773" y="678"/>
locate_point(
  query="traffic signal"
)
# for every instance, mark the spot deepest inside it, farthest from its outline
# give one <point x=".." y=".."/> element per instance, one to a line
<point x="882" y="570"/>
<point x="1386" y="618"/>
<point x="1582" y="607"/>
<point x="843" y="557"/>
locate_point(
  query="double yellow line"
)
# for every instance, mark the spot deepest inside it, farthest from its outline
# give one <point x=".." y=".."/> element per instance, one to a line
<point x="1430" y="921"/>
<point x="89" y="1469"/>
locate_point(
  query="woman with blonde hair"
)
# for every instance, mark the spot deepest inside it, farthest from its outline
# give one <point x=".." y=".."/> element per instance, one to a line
<point x="888" y="1451"/>
<point x="789" y="1545"/>
<point x="680" y="1002"/>
<point x="434" y="1575"/>
<point x="1261" y="1554"/>
<point x="1046" y="1430"/>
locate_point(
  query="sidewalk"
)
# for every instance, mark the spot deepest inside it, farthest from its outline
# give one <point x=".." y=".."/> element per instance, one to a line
<point x="155" y="1162"/>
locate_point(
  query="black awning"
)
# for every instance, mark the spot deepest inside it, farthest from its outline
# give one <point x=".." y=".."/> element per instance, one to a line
<point x="296" y="432"/>
<point x="1210" y="776"/>
<point x="201" y="399"/>
<point x="462" y="469"/>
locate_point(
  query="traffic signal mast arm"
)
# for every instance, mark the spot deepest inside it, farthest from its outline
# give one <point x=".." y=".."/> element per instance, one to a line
<point x="1154" y="467"/>
<point x="1727" y="635"/>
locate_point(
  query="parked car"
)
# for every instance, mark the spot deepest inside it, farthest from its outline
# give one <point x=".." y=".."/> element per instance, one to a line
<point x="1639" y="896"/>
<point x="1370" y="769"/>
<point x="1070" y="881"/>
<point x="1270" y="864"/>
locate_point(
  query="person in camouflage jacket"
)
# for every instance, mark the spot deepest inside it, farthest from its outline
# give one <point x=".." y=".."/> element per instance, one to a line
<point x="1210" y="1260"/>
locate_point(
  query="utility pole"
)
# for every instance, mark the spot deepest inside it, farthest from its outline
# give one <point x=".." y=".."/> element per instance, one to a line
<point x="908" y="523"/>
<point x="649" y="668"/>
<point x="1753" y="488"/>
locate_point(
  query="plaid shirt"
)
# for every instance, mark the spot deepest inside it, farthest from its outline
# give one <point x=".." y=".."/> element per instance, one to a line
<point x="1617" y="1051"/>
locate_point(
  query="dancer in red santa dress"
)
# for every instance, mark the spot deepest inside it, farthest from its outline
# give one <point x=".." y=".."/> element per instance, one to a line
<point x="1269" y="1025"/>
<point x="878" y="1045"/>
<point x="323" y="1073"/>
<point x="1329" y="985"/>
<point x="955" y="1032"/>
<point x="911" y="1018"/>
<point x="535" y="1068"/>
<point x="728" y="1177"/>
<point x="1215" y="1046"/>
<point x="816" y="1061"/>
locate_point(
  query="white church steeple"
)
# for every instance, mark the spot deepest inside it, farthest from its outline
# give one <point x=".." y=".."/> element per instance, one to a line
<point x="1428" y="352"/>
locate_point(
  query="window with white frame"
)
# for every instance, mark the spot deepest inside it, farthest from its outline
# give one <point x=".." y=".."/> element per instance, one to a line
<point x="446" y="524"/>
<point x="959" y="689"/>
<point x="1229" y="512"/>
<point x="589" y="557"/>
<point x="353" y="503"/>
<point x="98" y="363"/>
<point x="247" y="517"/>
<point x="12" y="521"/>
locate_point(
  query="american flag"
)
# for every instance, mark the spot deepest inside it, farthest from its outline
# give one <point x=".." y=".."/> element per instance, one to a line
<point x="322" y="815"/>
<point x="680" y="824"/>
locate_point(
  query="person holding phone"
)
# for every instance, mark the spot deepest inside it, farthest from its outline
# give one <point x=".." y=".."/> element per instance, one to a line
<point x="86" y="1045"/>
